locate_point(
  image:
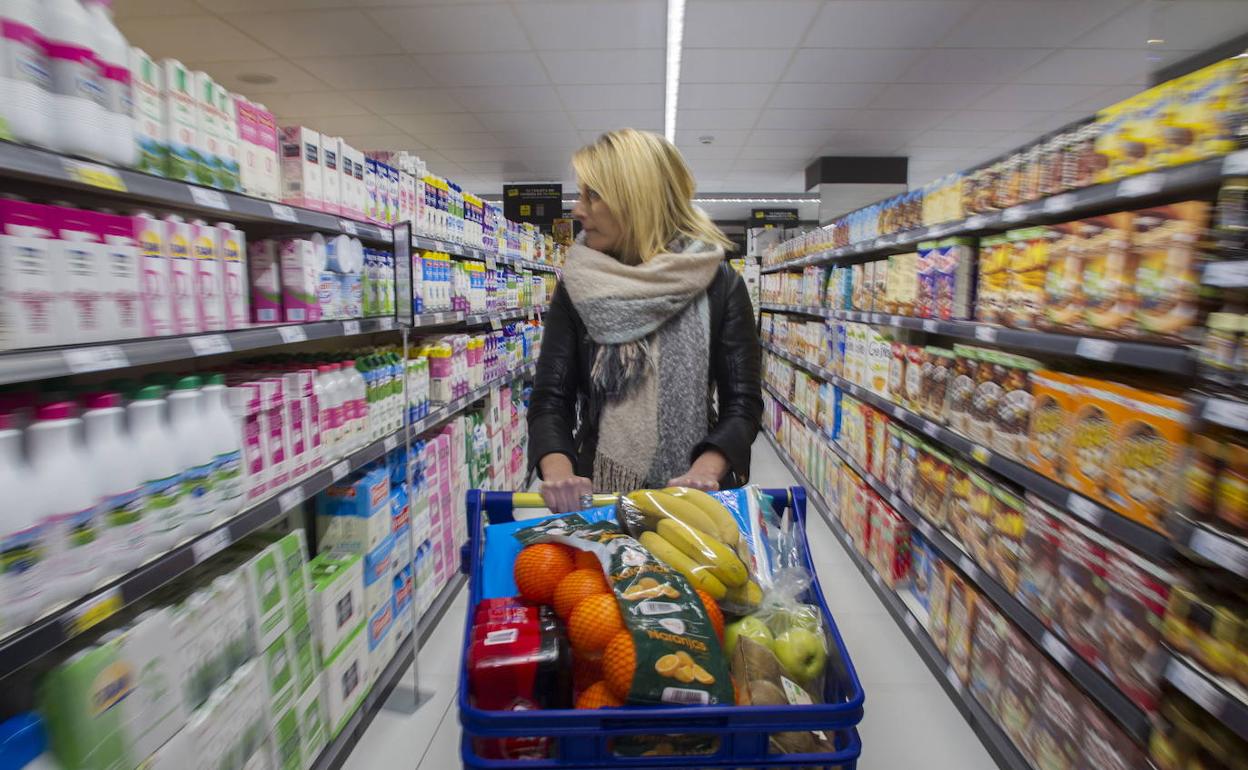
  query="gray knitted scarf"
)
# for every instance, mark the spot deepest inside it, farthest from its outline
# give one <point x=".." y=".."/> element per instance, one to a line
<point x="651" y="323"/>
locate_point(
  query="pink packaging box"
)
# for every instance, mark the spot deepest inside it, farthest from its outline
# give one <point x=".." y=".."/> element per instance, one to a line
<point x="300" y="281"/>
<point x="154" y="268"/>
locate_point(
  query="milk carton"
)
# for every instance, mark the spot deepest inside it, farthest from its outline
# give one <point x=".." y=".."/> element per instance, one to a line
<point x="248" y="149"/>
<point x="155" y="272"/>
<point x="208" y="285"/>
<point x="302" y="167"/>
<point x="229" y="161"/>
<point x="181" y="121"/>
<point x="31" y="277"/>
<point x="300" y="280"/>
<point x="122" y="310"/>
<point x="264" y="267"/>
<point x="372" y="195"/>
<point x="337" y="599"/>
<point x="149" y="120"/>
<point x="232" y="243"/>
<point x="179" y="241"/>
<point x="345" y="679"/>
<point x="331" y="174"/>
<point x="358" y="184"/>
<point x="267" y="139"/>
<point x="83" y="260"/>
<point x="208" y="126"/>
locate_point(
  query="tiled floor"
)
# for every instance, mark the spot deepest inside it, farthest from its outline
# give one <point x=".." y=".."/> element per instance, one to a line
<point x="909" y="720"/>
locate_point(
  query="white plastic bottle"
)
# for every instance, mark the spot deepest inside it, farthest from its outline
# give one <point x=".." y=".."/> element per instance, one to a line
<point x="78" y="124"/>
<point x="123" y="530"/>
<point x="330" y="404"/>
<point x="23" y="594"/>
<point x="113" y="57"/>
<point x="155" y="452"/>
<point x="68" y="502"/>
<point x="227" y="446"/>
<point x="357" y="392"/>
<point x="25" y="82"/>
<point x="195" y="454"/>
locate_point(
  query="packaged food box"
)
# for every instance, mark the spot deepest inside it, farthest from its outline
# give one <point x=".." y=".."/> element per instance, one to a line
<point x="992" y="292"/>
<point x="917" y="367"/>
<point x="1108" y="273"/>
<point x="1028" y="266"/>
<point x="987" y="649"/>
<point x="1080" y="611"/>
<point x="1038" y="573"/>
<point x="938" y="369"/>
<point x="962" y="601"/>
<point x="923" y="561"/>
<point x="1103" y="744"/>
<point x="1199" y="122"/>
<point x="1009" y="525"/>
<point x="981" y="504"/>
<point x="960" y="391"/>
<point x="925" y="269"/>
<point x="1011" y="412"/>
<point x="938" y="606"/>
<point x="1063" y="279"/>
<point x="1048" y="433"/>
<point x="1167" y="274"/>
<point x="957" y="504"/>
<point x="931" y="483"/>
<point x="1056" y="729"/>
<point x="1017" y="701"/>
<point x="1138" y="592"/>
<point x="954" y="271"/>
<point x="908" y="467"/>
<point x="1150" y="437"/>
<point x="1092" y="428"/>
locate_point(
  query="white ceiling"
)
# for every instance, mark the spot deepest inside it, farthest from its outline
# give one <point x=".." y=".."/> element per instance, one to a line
<point x="489" y="91"/>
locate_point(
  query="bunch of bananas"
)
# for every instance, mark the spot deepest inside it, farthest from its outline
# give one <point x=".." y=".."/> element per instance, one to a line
<point x="694" y="534"/>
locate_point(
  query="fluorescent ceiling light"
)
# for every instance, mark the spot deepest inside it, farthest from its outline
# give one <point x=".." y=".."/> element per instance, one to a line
<point x="572" y="201"/>
<point x="675" y="38"/>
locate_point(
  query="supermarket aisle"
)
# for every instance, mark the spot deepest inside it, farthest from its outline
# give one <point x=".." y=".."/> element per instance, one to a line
<point x="909" y="721"/>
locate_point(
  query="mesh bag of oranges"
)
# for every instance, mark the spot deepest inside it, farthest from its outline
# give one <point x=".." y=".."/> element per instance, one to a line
<point x="652" y="637"/>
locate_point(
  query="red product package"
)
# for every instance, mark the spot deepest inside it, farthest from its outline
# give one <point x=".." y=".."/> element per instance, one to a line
<point x="1135" y="606"/>
<point x="1080" y="609"/>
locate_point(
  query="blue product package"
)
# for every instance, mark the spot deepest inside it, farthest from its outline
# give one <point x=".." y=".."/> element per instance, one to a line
<point x="361" y="497"/>
<point x="377" y="561"/>
<point x="400" y="511"/>
<point x="501" y="549"/>
<point x="379" y="624"/>
<point x="922" y="567"/>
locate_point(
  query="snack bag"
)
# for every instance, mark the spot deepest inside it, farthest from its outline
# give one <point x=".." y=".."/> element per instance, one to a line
<point x="669" y="652"/>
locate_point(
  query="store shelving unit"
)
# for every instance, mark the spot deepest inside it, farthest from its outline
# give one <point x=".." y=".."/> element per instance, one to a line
<point x="42" y="363"/>
<point x="1168" y="359"/>
<point x="61" y="625"/>
<point x="469" y="252"/>
<point x="335" y="754"/>
<point x="1141" y="189"/>
<point x="125" y="186"/>
<point x="1191" y="679"/>
<point x="1095" y="683"/>
<point x="997" y="743"/>
<point x="1147" y="541"/>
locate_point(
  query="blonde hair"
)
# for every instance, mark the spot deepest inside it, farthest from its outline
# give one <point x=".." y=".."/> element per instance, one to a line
<point x="643" y="179"/>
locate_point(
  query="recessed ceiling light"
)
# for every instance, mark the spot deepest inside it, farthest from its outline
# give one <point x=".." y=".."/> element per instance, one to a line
<point x="1155" y="41"/>
<point x="257" y="78"/>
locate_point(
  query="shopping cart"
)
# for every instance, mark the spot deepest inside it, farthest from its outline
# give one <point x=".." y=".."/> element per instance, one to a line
<point x="583" y="739"/>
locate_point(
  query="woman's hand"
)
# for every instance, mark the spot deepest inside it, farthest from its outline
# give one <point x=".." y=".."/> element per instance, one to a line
<point x="705" y="473"/>
<point x="562" y="489"/>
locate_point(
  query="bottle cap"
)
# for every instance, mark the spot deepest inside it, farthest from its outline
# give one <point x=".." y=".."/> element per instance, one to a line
<point x="188" y="383"/>
<point x="102" y="401"/>
<point x="150" y="393"/>
<point x="62" y="410"/>
<point x="216" y="378"/>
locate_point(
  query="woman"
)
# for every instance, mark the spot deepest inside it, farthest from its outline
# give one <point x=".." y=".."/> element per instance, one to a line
<point x="648" y="321"/>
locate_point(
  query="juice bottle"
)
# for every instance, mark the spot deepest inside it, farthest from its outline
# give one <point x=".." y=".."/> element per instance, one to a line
<point x="227" y="446"/>
<point x="23" y="550"/>
<point x="68" y="502"/>
<point x="123" y="530"/>
<point x="26" y="85"/>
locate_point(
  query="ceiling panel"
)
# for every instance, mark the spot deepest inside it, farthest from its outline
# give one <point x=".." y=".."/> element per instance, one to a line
<point x="1099" y="66"/>
<point x="768" y="137"/>
<point x="785" y="166"/>
<point x="776" y="153"/>
<point x="806" y="95"/>
<point x="289" y="77"/>
<point x="407" y="101"/>
<point x="934" y="96"/>
<point x="567" y="140"/>
<point x="435" y="123"/>
<point x="845" y="65"/>
<point x="344" y="124"/>
<point x="453" y="28"/>
<point x="709" y="151"/>
<point x="973" y="65"/>
<point x="718" y="136"/>
<point x="891" y="142"/>
<point x="367" y="72"/>
<point x="1183" y="24"/>
<point x="508" y="98"/>
<point x="484" y="69"/>
<point x="316" y="33"/>
<point x="709" y="96"/>
<point x="313" y="104"/>
<point x="913" y="24"/>
<point x="1102" y="98"/>
<point x="391" y="141"/>
<point x="1044" y="24"/>
<point x="993" y="120"/>
<point x="588" y="26"/>
<point x="642" y="65"/>
<point x="526" y="121"/>
<point x="748" y="24"/>
<point x="963" y="139"/>
<point x="1035" y="97"/>
<point x="195" y="38"/>
<point x="624" y="96"/>
<point x="732" y="65"/>
<point x="732" y="120"/>
<point x="607" y="120"/>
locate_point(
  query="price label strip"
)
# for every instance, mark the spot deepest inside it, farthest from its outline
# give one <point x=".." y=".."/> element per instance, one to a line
<point x="1232" y="414"/>
<point x="348" y="227"/>
<point x="94" y="175"/>
<point x="1137" y="186"/>
<point x="1064" y="656"/>
<point x="1195" y="686"/>
<point x="284" y="213"/>
<point x="1220" y="550"/>
<point x="350" y="328"/>
<point x="985" y="333"/>
<point x="1085" y="509"/>
<point x="290" y="499"/>
<point x="209" y="199"/>
<point x="210" y="344"/>
<point x="211" y="544"/>
<point x="95" y="359"/>
<point x="92" y="612"/>
<point x="1096" y="350"/>
<point x="292" y="334"/>
<point x="340" y="470"/>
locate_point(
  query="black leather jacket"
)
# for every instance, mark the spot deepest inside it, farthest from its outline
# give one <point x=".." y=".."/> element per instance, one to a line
<point x="561" y="387"/>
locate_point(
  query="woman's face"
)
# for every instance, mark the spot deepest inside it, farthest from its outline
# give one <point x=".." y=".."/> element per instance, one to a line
<point x="602" y="230"/>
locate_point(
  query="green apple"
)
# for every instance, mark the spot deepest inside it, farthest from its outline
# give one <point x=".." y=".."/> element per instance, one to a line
<point x="801" y="616"/>
<point x="751" y="628"/>
<point x="801" y="652"/>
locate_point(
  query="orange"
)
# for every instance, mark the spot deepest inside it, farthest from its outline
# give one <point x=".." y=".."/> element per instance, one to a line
<point x="598" y="696"/>
<point x="713" y="612"/>
<point x="619" y="663"/>
<point x="586" y="560"/>
<point x="538" y="570"/>
<point x="594" y="621"/>
<point x="586" y="669"/>
<point x="576" y="586"/>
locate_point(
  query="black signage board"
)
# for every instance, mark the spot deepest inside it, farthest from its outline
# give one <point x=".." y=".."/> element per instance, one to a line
<point x="772" y="216"/>
<point x="538" y="204"/>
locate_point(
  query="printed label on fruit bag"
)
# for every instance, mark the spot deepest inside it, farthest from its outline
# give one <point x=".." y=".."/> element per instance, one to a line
<point x="671" y="652"/>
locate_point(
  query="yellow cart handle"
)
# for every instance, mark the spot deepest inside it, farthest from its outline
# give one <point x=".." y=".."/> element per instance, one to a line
<point x="534" y="500"/>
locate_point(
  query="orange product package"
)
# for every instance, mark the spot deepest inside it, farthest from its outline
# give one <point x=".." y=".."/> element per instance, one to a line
<point x="1166" y="242"/>
<point x="1049" y="430"/>
<point x="1149" y="441"/>
<point x="1087" y="466"/>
